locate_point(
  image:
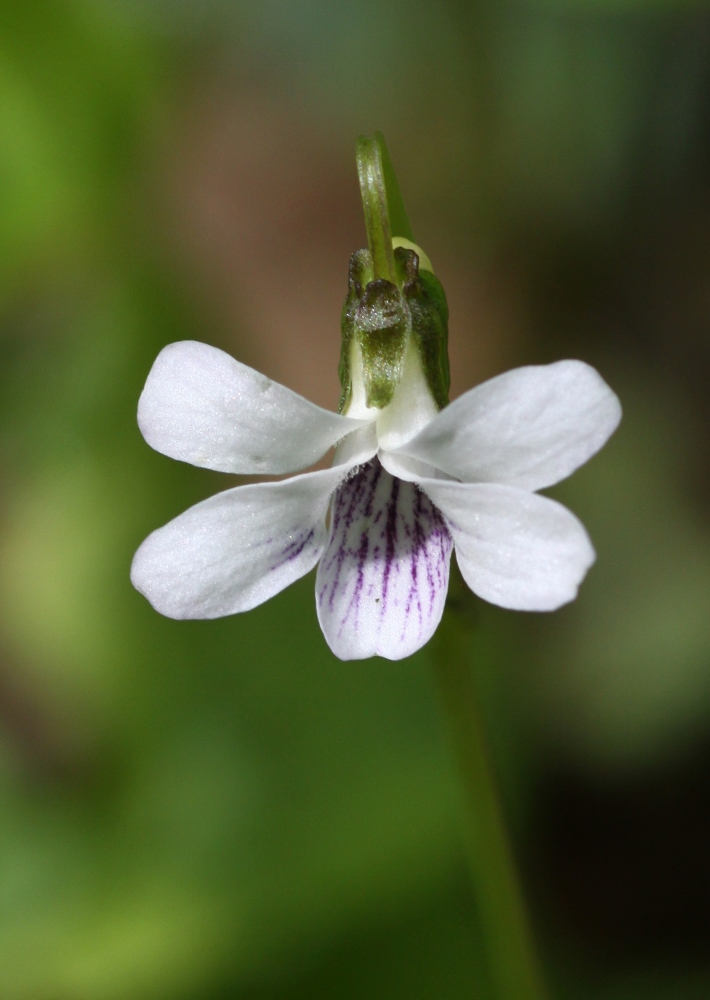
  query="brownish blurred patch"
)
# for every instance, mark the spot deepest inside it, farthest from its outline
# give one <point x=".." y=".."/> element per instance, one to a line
<point x="44" y="736"/>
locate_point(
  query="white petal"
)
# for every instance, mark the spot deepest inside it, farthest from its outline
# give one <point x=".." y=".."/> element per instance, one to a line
<point x="382" y="581"/>
<point x="411" y="470"/>
<point x="358" y="447"/>
<point x="238" y="548"/>
<point x="530" y="427"/>
<point x="201" y="406"/>
<point x="514" y="548"/>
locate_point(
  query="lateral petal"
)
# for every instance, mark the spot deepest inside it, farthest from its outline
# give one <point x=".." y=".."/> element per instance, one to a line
<point x="382" y="581"/>
<point x="514" y="548"/>
<point x="201" y="406"/>
<point x="238" y="548"/>
<point x="530" y="427"/>
<point x="411" y="470"/>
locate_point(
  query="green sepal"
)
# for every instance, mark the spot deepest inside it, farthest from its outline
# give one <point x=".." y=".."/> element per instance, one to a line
<point x="376" y="317"/>
<point x="429" y="319"/>
<point x="359" y="274"/>
<point x="381" y="317"/>
<point x="430" y="325"/>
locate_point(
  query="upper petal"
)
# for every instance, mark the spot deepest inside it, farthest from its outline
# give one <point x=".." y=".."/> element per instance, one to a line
<point x="238" y="548"/>
<point x="202" y="406"/>
<point x="515" y="549"/>
<point x="382" y="581"/>
<point x="530" y="427"/>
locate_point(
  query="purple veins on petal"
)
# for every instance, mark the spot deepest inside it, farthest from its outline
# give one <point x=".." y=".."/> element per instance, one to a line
<point x="382" y="580"/>
<point x="294" y="548"/>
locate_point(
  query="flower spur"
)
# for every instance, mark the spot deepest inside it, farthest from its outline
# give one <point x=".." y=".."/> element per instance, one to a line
<point x="412" y="479"/>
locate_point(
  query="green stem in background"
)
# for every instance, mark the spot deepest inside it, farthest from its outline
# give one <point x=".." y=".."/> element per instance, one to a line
<point x="514" y="970"/>
<point x="375" y="205"/>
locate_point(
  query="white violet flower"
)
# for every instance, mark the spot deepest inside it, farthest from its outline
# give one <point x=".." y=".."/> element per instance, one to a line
<point x="409" y="483"/>
<point x="412" y="478"/>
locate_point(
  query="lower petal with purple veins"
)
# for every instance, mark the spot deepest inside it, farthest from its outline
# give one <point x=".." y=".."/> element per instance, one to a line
<point x="382" y="581"/>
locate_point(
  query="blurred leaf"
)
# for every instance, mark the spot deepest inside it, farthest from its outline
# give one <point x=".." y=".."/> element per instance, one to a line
<point x="76" y="88"/>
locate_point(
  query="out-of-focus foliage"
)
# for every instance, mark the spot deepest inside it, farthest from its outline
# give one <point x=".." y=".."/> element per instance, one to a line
<point x="221" y="809"/>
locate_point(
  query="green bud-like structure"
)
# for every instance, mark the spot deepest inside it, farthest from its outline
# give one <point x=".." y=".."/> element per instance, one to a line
<point x="380" y="318"/>
<point x="393" y="301"/>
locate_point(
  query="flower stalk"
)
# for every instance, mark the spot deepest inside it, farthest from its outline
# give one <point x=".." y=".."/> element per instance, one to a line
<point x="513" y="966"/>
<point x="374" y="203"/>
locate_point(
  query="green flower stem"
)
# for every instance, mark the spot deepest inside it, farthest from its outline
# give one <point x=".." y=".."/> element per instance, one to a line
<point x="374" y="202"/>
<point x="513" y="966"/>
<point x="399" y="220"/>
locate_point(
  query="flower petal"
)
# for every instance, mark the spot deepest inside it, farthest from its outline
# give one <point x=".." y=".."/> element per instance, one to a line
<point x="358" y="447"/>
<point x="411" y="470"/>
<point x="202" y="406"/>
<point x="382" y="581"/>
<point x="238" y="548"/>
<point x="514" y="548"/>
<point x="530" y="427"/>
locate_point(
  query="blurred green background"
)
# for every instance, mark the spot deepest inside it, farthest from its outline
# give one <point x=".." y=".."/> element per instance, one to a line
<point x="221" y="809"/>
